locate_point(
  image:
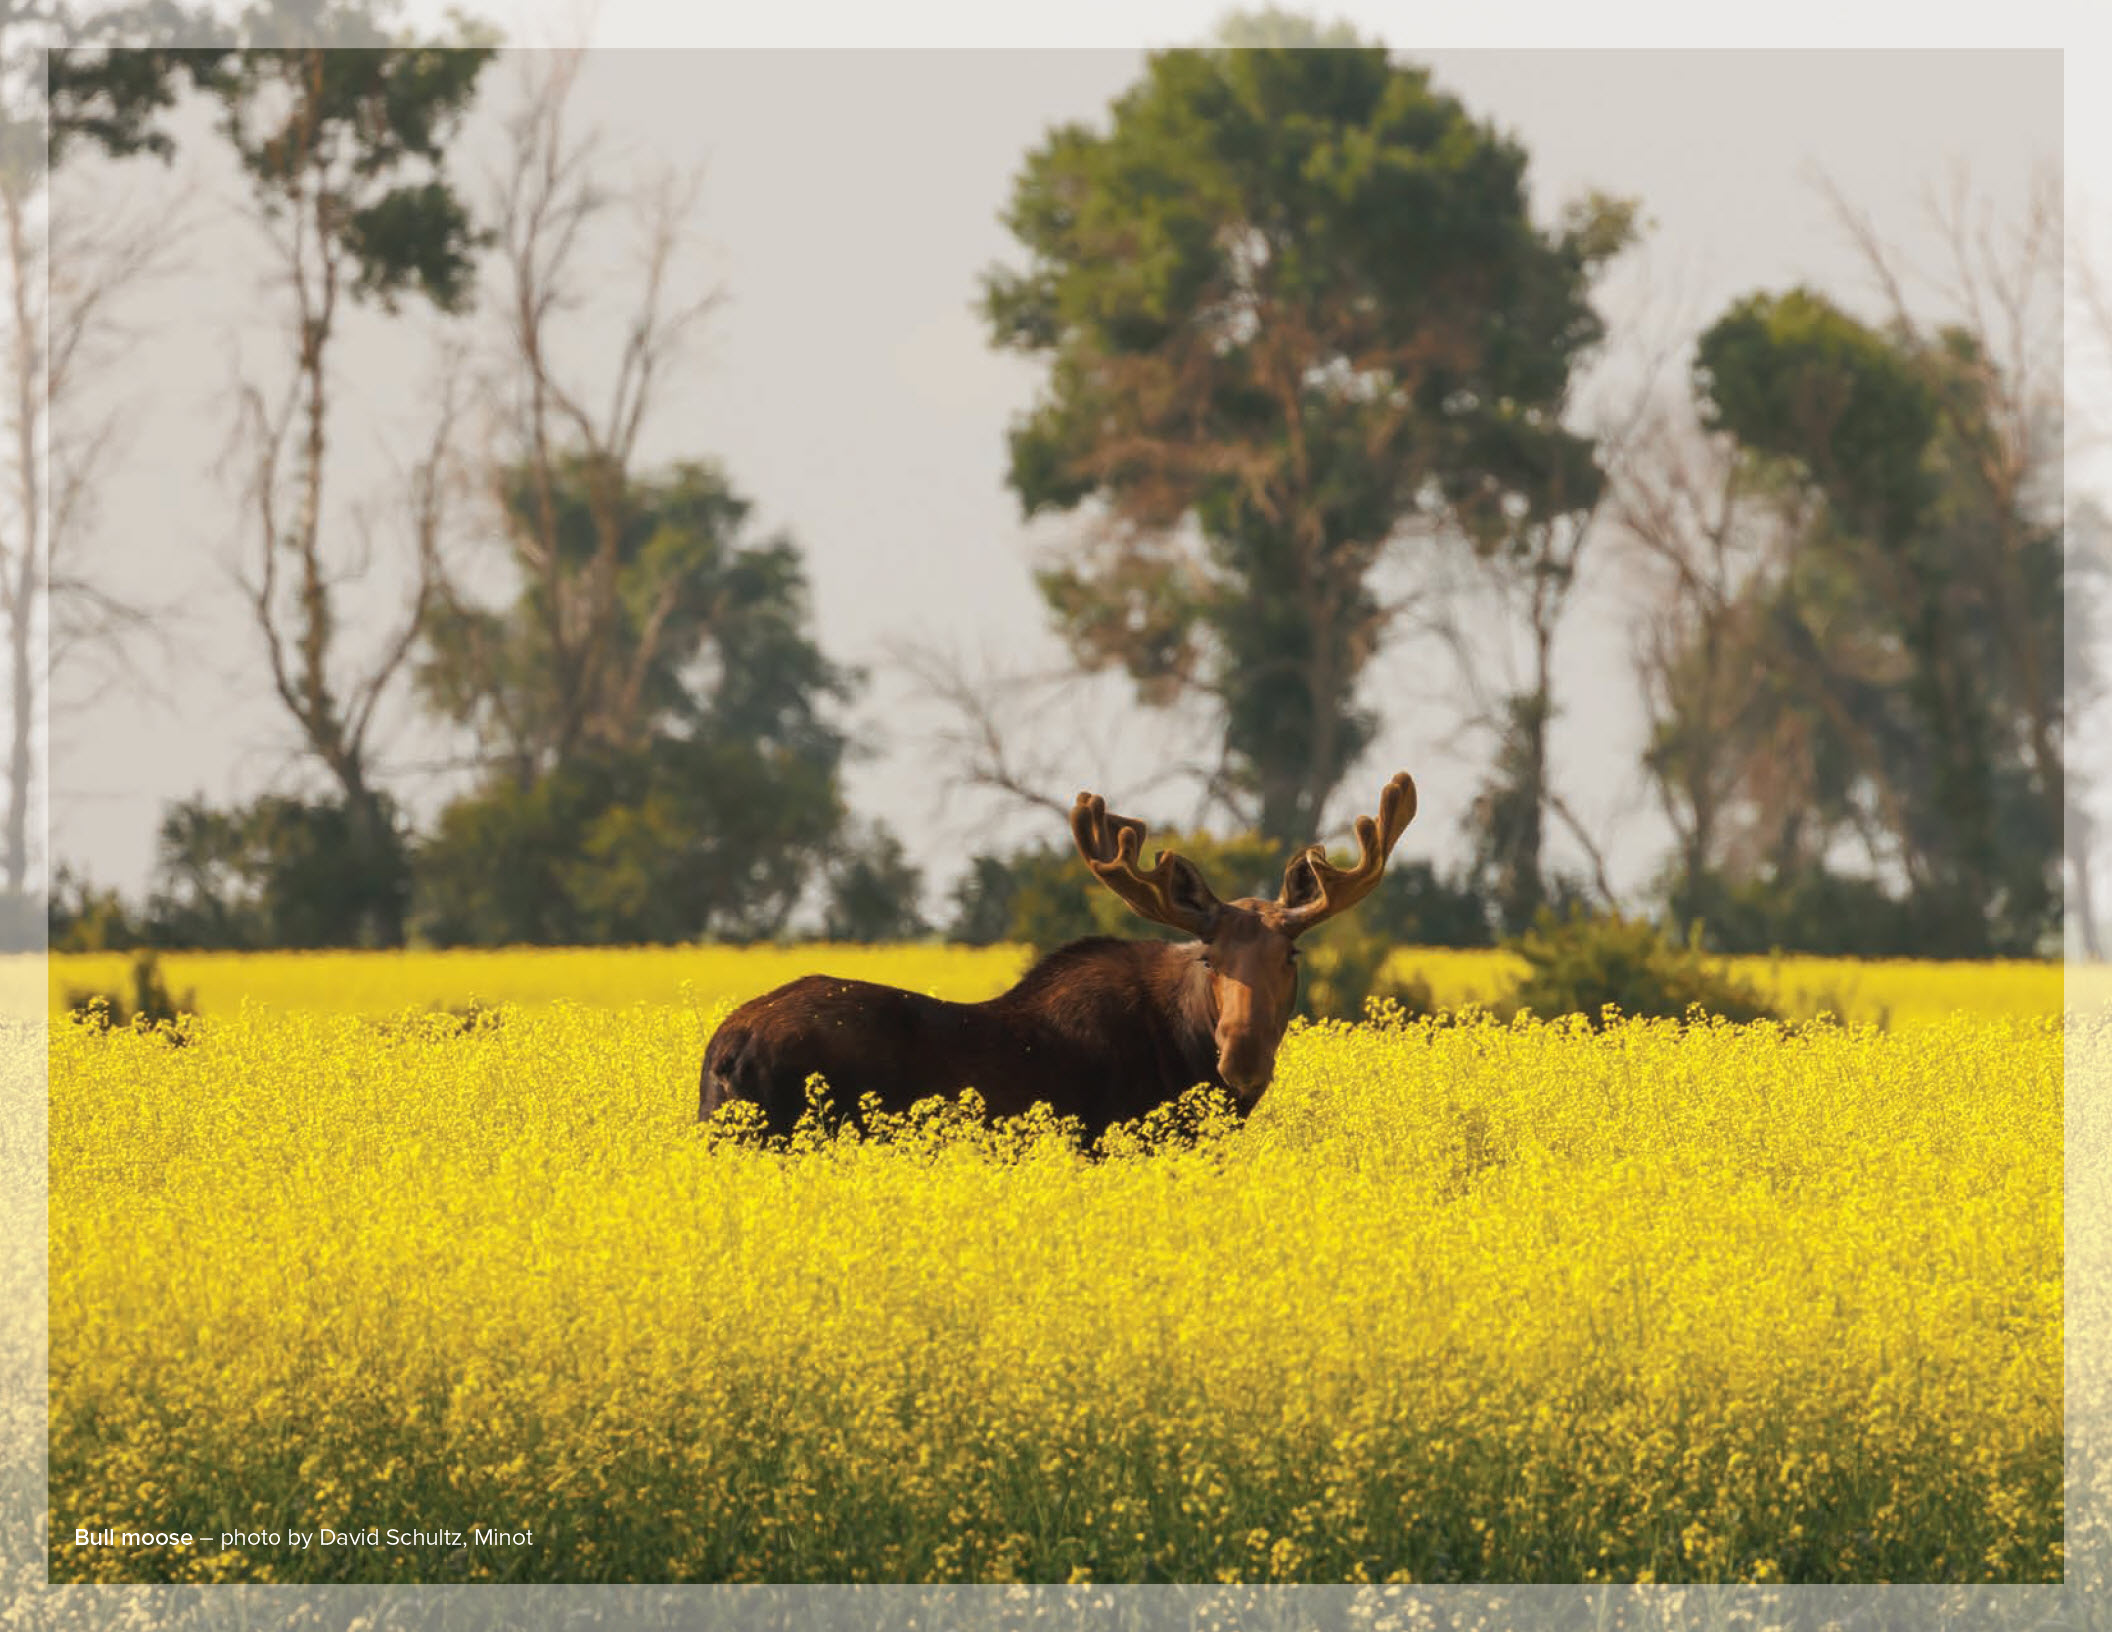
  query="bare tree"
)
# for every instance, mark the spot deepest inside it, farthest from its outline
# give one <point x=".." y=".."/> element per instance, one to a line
<point x="1704" y="527"/>
<point x="562" y="437"/>
<point x="345" y="152"/>
<point x="992" y="736"/>
<point x="68" y="274"/>
<point x="96" y="255"/>
<point x="331" y="697"/>
<point x="1532" y="570"/>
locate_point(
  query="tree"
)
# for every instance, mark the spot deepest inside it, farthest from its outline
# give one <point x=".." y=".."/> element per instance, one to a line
<point x="1532" y="559"/>
<point x="345" y="151"/>
<point x="270" y="874"/>
<point x="564" y="488"/>
<point x="1867" y="565"/>
<point x="703" y="803"/>
<point x="1293" y="306"/>
<point x="65" y="277"/>
<point x="1709" y="530"/>
<point x="873" y="888"/>
<point x="1898" y="616"/>
<point x="676" y="841"/>
<point x="649" y="711"/>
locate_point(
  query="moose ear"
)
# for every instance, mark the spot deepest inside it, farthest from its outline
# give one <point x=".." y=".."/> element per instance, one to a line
<point x="1301" y="885"/>
<point x="1186" y="889"/>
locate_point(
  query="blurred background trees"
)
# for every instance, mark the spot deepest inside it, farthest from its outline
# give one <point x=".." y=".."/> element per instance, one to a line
<point x="1296" y="313"/>
<point x="1306" y="352"/>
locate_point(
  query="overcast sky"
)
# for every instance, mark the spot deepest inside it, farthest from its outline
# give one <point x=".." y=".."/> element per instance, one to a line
<point x="849" y="203"/>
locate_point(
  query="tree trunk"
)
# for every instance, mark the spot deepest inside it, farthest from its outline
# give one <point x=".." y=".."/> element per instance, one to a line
<point x="25" y="577"/>
<point x="2077" y="831"/>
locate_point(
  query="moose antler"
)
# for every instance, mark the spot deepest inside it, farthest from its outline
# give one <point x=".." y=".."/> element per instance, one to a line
<point x="1172" y="892"/>
<point x="1314" y="889"/>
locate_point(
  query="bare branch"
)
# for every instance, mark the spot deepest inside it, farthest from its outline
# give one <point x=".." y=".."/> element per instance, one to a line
<point x="549" y="199"/>
<point x="976" y="741"/>
<point x="427" y="489"/>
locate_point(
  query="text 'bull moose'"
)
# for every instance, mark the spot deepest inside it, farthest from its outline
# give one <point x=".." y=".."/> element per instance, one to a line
<point x="1103" y="1030"/>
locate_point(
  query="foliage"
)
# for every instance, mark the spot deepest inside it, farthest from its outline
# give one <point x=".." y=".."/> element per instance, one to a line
<point x="1291" y="300"/>
<point x="1587" y="965"/>
<point x="1905" y="634"/>
<point x="113" y="88"/>
<point x="1347" y="965"/>
<point x="1815" y="910"/>
<point x="150" y="1004"/>
<point x="1506" y="824"/>
<point x="1898" y="993"/>
<point x="1460" y="1302"/>
<point x="85" y="918"/>
<point x="686" y="783"/>
<point x="1045" y="896"/>
<point x="1416" y="905"/>
<point x="705" y="632"/>
<point x="873" y="890"/>
<point x="982" y="900"/>
<point x="280" y="872"/>
<point x="676" y="841"/>
<point x="356" y="141"/>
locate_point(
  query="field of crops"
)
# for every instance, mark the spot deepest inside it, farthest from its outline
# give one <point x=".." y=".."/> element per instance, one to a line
<point x="380" y="983"/>
<point x="1462" y="1301"/>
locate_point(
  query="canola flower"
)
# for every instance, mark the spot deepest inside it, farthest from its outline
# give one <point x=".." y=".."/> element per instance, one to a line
<point x="1463" y="1301"/>
<point x="1892" y="994"/>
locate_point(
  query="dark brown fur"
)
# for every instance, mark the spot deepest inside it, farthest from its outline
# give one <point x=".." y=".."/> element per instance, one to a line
<point x="1103" y="1030"/>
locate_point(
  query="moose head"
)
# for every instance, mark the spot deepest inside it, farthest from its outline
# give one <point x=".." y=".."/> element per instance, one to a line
<point x="1249" y="951"/>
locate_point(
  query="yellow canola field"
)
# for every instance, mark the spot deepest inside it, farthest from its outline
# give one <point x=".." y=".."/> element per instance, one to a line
<point x="1462" y="1301"/>
<point x="1897" y="993"/>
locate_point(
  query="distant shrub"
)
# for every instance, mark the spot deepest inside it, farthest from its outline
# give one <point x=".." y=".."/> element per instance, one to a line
<point x="1342" y="967"/>
<point x="151" y="1003"/>
<point x="1583" y="963"/>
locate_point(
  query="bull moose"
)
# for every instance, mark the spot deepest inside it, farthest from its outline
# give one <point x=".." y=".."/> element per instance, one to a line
<point x="1102" y="1029"/>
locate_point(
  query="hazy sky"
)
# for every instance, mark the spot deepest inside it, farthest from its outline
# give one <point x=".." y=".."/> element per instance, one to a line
<point x="849" y="203"/>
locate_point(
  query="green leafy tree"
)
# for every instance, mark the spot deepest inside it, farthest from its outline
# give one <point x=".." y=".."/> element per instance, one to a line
<point x="86" y="917"/>
<point x="280" y="872"/>
<point x="703" y="631"/>
<point x="1292" y="304"/>
<point x="873" y="889"/>
<point x="692" y="788"/>
<point x="1911" y="641"/>
<point x="648" y="706"/>
<point x="675" y="841"/>
<point x="345" y="151"/>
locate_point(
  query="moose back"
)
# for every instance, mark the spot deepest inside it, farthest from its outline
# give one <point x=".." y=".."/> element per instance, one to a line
<point x="1103" y="1030"/>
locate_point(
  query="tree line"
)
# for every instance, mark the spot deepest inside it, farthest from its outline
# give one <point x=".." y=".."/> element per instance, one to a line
<point x="1303" y="341"/>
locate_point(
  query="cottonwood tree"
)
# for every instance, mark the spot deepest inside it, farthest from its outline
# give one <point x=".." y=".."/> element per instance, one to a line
<point x="563" y="475"/>
<point x="649" y="711"/>
<point x="1294" y="309"/>
<point x="345" y="151"/>
<point x="1910" y="637"/>
<point x="1996" y="371"/>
